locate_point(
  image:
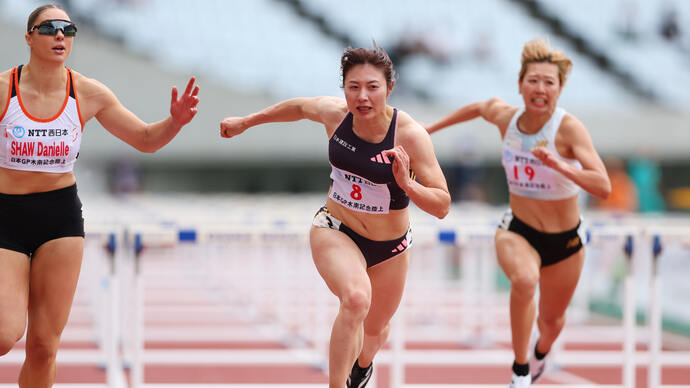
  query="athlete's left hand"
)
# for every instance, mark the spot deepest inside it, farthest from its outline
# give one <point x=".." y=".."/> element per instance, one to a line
<point x="184" y="109"/>
<point x="401" y="165"/>
<point x="547" y="157"/>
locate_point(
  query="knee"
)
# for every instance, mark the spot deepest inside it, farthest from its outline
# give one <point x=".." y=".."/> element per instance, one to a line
<point x="524" y="284"/>
<point x="377" y="330"/>
<point x="356" y="304"/>
<point x="550" y="322"/>
<point x="41" y="350"/>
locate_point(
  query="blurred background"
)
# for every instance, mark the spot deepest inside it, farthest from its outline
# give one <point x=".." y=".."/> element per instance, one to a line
<point x="213" y="232"/>
<point x="630" y="85"/>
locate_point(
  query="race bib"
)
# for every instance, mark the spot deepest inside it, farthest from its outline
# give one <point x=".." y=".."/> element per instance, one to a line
<point x="33" y="147"/>
<point x="359" y="194"/>
<point x="525" y="171"/>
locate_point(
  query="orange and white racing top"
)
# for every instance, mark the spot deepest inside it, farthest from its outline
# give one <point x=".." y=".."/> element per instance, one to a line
<point x="32" y="144"/>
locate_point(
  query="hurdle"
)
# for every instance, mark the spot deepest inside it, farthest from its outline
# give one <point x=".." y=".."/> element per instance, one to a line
<point x="272" y="312"/>
<point x="480" y="237"/>
<point x="106" y="289"/>
<point x="659" y="237"/>
<point x="220" y="243"/>
<point x="98" y="287"/>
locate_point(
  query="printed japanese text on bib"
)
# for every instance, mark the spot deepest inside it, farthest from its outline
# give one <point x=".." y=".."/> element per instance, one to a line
<point x="359" y="194"/>
<point x="39" y="146"/>
<point x="525" y="171"/>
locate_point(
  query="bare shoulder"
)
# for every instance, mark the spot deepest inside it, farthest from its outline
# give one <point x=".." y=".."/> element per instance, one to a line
<point x="5" y="77"/>
<point x="325" y="109"/>
<point x="336" y="105"/>
<point x="410" y="132"/>
<point x="571" y="127"/>
<point x="89" y="87"/>
<point x="506" y="112"/>
<point x="499" y="112"/>
<point x="332" y="108"/>
<point x="93" y="95"/>
<point x="571" y="134"/>
<point x="569" y="120"/>
<point x="498" y="103"/>
<point x="331" y="102"/>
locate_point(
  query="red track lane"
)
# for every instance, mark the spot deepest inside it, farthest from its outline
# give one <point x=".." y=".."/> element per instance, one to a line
<point x="79" y="374"/>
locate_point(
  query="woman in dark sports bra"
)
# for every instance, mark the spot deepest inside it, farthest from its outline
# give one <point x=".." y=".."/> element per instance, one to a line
<point x="359" y="239"/>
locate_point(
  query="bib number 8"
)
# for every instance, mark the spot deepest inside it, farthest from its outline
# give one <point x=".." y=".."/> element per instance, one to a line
<point x="356" y="192"/>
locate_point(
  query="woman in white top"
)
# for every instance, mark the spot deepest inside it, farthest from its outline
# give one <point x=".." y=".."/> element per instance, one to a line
<point x="43" y="109"/>
<point x="548" y="155"/>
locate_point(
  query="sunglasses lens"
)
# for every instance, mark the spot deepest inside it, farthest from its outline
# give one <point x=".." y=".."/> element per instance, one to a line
<point x="70" y="30"/>
<point x="47" y="29"/>
<point x="51" y="28"/>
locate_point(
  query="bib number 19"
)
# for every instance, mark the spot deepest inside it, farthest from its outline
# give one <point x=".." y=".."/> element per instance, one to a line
<point x="529" y="171"/>
<point x="356" y="192"/>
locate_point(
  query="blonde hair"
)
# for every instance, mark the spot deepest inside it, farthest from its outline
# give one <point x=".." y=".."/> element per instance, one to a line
<point x="539" y="51"/>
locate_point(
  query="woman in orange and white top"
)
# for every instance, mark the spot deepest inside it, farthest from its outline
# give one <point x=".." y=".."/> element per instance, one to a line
<point x="42" y="116"/>
<point x="548" y="156"/>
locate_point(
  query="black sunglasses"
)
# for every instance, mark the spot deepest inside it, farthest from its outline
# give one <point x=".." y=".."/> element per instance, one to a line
<point x="51" y="27"/>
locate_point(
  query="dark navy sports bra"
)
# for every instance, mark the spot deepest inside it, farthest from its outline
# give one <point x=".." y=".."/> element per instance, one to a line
<point x="362" y="176"/>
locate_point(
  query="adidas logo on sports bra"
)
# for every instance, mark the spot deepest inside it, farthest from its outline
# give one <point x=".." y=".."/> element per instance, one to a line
<point x="381" y="158"/>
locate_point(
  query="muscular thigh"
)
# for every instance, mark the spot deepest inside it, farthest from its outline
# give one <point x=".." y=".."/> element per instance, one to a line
<point x="515" y="255"/>
<point x="558" y="283"/>
<point x="387" y="284"/>
<point x="339" y="261"/>
<point x="14" y="290"/>
<point x="54" y="274"/>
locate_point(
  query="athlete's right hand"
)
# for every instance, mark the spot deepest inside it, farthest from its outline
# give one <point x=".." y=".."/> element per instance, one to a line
<point x="401" y="165"/>
<point x="232" y="126"/>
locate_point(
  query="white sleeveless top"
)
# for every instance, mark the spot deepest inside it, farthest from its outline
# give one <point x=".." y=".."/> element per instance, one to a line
<point x="44" y="145"/>
<point x="526" y="175"/>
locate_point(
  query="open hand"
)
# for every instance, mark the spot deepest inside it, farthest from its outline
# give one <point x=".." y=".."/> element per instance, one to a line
<point x="184" y="109"/>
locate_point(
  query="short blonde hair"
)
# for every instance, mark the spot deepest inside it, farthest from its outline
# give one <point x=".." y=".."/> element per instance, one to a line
<point x="539" y="51"/>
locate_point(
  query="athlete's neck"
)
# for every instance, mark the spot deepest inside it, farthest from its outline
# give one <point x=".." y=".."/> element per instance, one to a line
<point x="532" y="122"/>
<point x="373" y="129"/>
<point x="44" y="78"/>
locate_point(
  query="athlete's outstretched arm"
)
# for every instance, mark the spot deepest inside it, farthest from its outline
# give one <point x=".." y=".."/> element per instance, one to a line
<point x="325" y="110"/>
<point x="102" y="103"/>
<point x="593" y="177"/>
<point x="495" y="111"/>
<point x="415" y="150"/>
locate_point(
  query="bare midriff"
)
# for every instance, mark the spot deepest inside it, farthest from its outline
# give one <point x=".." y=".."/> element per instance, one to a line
<point x="549" y="216"/>
<point x="26" y="182"/>
<point x="377" y="227"/>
